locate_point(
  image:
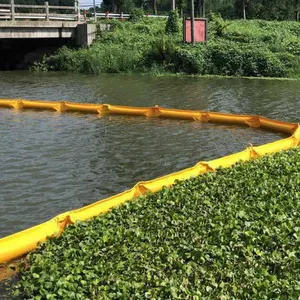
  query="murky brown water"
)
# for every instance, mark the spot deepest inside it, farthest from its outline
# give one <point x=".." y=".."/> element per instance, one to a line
<point x="51" y="163"/>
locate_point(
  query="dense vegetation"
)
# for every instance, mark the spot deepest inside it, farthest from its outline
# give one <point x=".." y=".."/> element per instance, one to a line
<point x="238" y="48"/>
<point x="233" y="234"/>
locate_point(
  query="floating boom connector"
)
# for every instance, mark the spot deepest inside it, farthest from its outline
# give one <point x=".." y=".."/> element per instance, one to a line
<point x="20" y="243"/>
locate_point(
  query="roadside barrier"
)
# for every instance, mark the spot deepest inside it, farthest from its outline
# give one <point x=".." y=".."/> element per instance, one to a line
<point x="20" y="243"/>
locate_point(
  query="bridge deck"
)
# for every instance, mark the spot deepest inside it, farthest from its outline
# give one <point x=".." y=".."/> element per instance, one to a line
<point x="37" y="29"/>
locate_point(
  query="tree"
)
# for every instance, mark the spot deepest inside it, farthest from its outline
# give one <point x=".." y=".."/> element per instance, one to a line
<point x="244" y="9"/>
<point x="201" y="8"/>
<point x="155" y="7"/>
<point x="172" y="26"/>
<point x="173" y="4"/>
<point x="241" y="5"/>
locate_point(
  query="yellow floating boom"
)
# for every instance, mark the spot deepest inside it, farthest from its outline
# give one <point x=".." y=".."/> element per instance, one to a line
<point x="20" y="243"/>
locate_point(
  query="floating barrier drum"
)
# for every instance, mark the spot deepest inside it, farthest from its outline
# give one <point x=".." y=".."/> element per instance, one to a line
<point x="18" y="244"/>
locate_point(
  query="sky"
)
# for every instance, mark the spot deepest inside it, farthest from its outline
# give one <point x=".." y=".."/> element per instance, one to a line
<point x="89" y="2"/>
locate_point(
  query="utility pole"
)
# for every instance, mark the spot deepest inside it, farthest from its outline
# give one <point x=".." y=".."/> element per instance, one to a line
<point x="201" y="8"/>
<point x="95" y="16"/>
<point x="192" y="22"/>
<point x="173" y="5"/>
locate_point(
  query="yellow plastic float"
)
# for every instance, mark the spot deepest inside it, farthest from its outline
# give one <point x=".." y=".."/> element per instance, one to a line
<point x="18" y="244"/>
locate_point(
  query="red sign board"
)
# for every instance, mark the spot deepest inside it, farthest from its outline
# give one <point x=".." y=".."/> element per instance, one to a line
<point x="200" y="30"/>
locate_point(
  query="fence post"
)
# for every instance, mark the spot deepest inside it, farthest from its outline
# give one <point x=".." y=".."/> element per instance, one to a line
<point x="107" y="18"/>
<point x="47" y="11"/>
<point x="12" y="9"/>
<point x="84" y="16"/>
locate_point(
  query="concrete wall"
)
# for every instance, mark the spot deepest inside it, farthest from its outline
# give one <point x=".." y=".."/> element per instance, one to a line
<point x="85" y="34"/>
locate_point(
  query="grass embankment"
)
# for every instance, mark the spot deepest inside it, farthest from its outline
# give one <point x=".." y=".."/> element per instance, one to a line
<point x="233" y="234"/>
<point x="235" y="48"/>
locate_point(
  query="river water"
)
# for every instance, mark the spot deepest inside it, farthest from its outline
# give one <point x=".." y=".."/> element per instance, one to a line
<point x="51" y="162"/>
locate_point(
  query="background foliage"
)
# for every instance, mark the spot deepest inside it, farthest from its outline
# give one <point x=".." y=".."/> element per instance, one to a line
<point x="236" y="47"/>
<point x="239" y="48"/>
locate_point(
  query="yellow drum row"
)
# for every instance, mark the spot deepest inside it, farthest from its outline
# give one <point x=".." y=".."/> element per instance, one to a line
<point x="18" y="244"/>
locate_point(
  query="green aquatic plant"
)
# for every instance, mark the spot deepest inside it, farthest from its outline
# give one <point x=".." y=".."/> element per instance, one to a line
<point x="232" y="234"/>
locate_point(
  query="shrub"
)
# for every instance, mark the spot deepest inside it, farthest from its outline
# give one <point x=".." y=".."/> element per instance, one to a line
<point x="114" y="23"/>
<point x="137" y="14"/>
<point x="237" y="60"/>
<point x="67" y="59"/>
<point x="238" y="48"/>
<point x="161" y="51"/>
<point x="189" y="61"/>
<point x="217" y="25"/>
<point x="172" y="26"/>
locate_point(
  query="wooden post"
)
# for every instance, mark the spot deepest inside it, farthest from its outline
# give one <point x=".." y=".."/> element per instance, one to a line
<point x="192" y="22"/>
<point x="12" y="10"/>
<point x="106" y="19"/>
<point x="173" y="5"/>
<point x="47" y="11"/>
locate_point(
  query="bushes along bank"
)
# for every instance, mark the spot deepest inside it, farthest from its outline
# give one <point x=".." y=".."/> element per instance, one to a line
<point x="237" y="48"/>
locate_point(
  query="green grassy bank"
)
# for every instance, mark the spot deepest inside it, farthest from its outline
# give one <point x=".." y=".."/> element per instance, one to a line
<point x="233" y="234"/>
<point x="235" y="48"/>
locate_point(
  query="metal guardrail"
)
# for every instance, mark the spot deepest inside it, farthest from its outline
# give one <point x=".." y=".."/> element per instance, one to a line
<point x="12" y="12"/>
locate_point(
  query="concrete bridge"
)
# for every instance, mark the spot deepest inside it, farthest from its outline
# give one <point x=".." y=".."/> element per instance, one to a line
<point x="81" y="34"/>
<point x="27" y="36"/>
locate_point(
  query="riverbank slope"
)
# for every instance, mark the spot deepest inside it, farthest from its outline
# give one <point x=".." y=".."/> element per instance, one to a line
<point x="252" y="48"/>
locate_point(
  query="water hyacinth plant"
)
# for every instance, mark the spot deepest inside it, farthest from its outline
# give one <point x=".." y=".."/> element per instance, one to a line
<point x="232" y="234"/>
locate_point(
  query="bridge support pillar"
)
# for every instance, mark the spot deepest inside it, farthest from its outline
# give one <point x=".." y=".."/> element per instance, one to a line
<point x="85" y="34"/>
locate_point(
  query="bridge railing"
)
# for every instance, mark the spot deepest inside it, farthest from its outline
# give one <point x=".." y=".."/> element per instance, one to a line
<point x="12" y="12"/>
<point x="122" y="16"/>
<point x="45" y="12"/>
